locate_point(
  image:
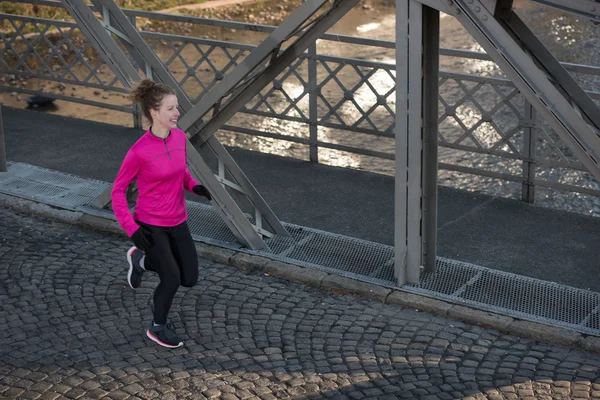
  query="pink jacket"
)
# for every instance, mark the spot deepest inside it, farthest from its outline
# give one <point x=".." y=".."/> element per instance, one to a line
<point x="160" y="168"/>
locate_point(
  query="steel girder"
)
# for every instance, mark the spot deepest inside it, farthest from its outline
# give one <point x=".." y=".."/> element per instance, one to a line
<point x="99" y="34"/>
<point x="567" y="109"/>
<point x="2" y="145"/>
<point x="278" y="62"/>
<point x="417" y="70"/>
<point x="589" y="9"/>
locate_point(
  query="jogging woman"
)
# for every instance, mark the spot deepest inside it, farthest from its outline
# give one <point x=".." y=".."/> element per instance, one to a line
<point x="158" y="227"/>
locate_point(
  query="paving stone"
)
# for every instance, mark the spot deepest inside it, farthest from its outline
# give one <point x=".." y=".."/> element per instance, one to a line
<point x="74" y="329"/>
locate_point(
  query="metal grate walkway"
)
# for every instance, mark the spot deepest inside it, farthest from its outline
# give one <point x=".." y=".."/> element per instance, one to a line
<point x="456" y="281"/>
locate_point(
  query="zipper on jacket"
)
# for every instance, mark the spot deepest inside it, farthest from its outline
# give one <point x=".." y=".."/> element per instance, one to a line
<point x="167" y="147"/>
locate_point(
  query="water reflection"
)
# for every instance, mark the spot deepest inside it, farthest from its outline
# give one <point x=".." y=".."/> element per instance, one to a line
<point x="368" y="27"/>
<point x="489" y="118"/>
<point x="363" y="98"/>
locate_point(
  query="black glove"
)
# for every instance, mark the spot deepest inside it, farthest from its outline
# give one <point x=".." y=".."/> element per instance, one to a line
<point x="142" y="238"/>
<point x="202" y="191"/>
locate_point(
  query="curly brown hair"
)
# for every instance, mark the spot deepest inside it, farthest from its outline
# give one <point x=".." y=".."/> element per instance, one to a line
<point x="149" y="94"/>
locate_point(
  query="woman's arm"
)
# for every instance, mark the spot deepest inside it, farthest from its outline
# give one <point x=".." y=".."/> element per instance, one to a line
<point x="127" y="173"/>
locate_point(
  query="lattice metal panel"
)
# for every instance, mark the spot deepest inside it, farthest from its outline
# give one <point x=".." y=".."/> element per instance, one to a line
<point x="481" y="115"/>
<point x="512" y="294"/>
<point x="357" y="96"/>
<point x="52" y="50"/>
<point x="205" y="223"/>
<point x="353" y="95"/>
<point x="196" y="64"/>
<point x="51" y="187"/>
<point x="345" y="255"/>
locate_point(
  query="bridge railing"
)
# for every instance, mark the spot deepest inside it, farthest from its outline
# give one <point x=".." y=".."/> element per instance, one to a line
<point x="335" y="104"/>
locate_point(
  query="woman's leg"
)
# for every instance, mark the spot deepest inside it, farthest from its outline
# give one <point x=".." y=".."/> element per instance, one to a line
<point x="160" y="259"/>
<point x="184" y="251"/>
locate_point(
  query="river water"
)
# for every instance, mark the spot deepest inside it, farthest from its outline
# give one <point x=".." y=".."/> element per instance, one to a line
<point x="569" y="38"/>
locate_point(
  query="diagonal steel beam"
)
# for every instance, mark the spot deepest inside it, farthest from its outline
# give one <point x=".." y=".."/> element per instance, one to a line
<point x="338" y="9"/>
<point x="521" y="69"/>
<point x="546" y="60"/>
<point x="255" y="59"/>
<point x="127" y="73"/>
<point x="584" y="8"/>
<point x="108" y="49"/>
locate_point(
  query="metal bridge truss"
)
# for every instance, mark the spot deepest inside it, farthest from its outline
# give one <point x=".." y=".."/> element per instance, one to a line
<point x="508" y="41"/>
<point x="541" y="79"/>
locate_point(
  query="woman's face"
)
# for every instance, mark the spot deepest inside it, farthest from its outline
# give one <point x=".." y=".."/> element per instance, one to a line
<point x="167" y="114"/>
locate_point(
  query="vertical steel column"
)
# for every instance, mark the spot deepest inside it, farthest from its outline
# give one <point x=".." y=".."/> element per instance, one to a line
<point x="409" y="142"/>
<point x="312" y="104"/>
<point x="529" y="146"/>
<point x="2" y="146"/>
<point x="431" y="88"/>
<point x="137" y="110"/>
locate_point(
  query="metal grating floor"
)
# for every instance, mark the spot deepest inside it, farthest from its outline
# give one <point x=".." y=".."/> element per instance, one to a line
<point x="455" y="281"/>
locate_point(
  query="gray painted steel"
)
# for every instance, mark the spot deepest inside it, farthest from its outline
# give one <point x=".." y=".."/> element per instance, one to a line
<point x="238" y="77"/>
<point x="145" y="57"/>
<point x="416" y="123"/>
<point x="546" y="61"/>
<point x="530" y="80"/>
<point x="550" y="155"/>
<point x="431" y="69"/>
<point x="3" y="167"/>
<point x="367" y="261"/>
<point x="277" y="65"/>
<point x="585" y="8"/>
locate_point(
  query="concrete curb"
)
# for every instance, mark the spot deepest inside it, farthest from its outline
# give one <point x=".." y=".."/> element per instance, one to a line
<point x="247" y="260"/>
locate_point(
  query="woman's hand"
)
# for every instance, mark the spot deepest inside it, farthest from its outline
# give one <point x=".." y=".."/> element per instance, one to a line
<point x="200" y="190"/>
<point x="142" y="239"/>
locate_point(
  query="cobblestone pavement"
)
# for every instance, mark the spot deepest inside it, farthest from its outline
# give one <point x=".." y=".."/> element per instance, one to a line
<point x="70" y="327"/>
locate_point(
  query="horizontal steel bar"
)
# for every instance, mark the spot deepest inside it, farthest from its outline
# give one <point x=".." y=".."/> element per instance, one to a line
<point x="67" y="98"/>
<point x="497" y="153"/>
<point x="544" y="162"/>
<point x="49" y="3"/>
<point x="476" y="78"/>
<point x="583" y="8"/>
<point x="355" y="150"/>
<point x="481" y="172"/>
<point x="112" y="89"/>
<point x="38" y="20"/>
<point x="306" y="141"/>
<point x="567" y="188"/>
<point x="320" y="123"/>
<point x="514" y="178"/>
<point x="194" y="40"/>
<point x="587" y="69"/>
<point x="252" y="132"/>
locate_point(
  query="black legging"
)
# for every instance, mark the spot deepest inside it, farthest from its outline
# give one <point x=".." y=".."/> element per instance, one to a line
<point x="174" y="258"/>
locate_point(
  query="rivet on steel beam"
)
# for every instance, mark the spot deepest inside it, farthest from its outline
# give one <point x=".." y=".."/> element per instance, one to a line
<point x="484" y="17"/>
<point x="477" y="8"/>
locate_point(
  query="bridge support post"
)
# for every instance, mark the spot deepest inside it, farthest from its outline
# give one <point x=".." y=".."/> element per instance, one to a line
<point x="3" y="167"/>
<point x="417" y="67"/>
